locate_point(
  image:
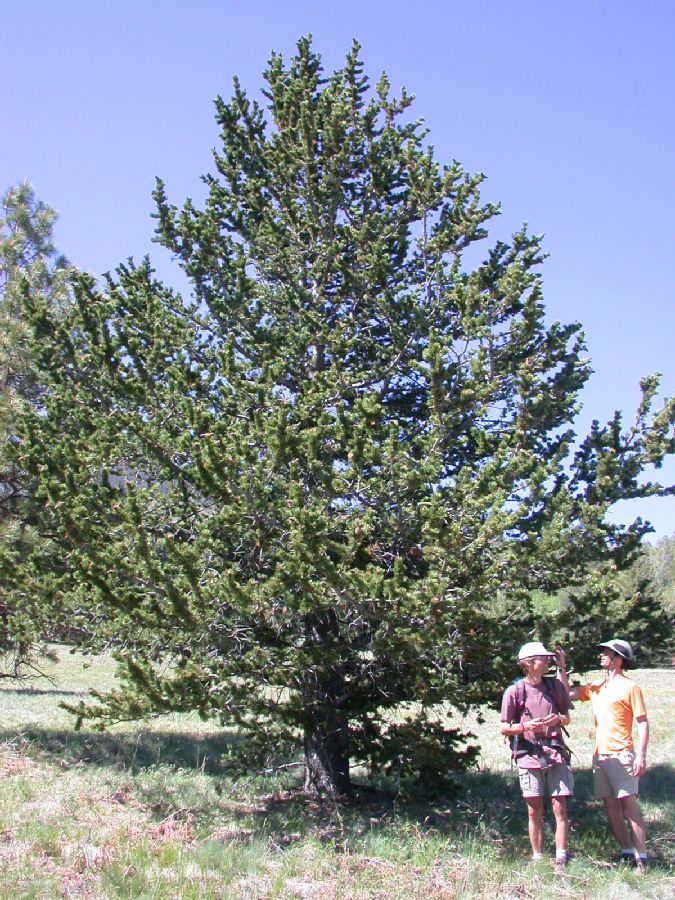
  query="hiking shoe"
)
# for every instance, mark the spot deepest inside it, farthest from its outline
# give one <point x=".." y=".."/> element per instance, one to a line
<point x="559" y="866"/>
<point x="640" y="866"/>
<point x="623" y="859"/>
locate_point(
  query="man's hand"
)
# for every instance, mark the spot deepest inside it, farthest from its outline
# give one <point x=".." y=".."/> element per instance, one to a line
<point x="550" y="719"/>
<point x="559" y="655"/>
<point x="543" y="722"/>
<point x="639" y="766"/>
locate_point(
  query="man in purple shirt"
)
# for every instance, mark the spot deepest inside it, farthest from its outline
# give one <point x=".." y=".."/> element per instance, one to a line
<point x="534" y="709"/>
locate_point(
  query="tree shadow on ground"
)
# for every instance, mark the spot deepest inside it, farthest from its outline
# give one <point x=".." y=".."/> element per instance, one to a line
<point x="132" y="752"/>
<point x="49" y="692"/>
<point x="484" y="807"/>
<point x="497" y="813"/>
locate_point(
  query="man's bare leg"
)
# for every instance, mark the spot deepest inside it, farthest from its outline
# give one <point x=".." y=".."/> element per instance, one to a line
<point x="616" y="821"/>
<point x="631" y="813"/>
<point x="535" y="823"/>
<point x="562" y="825"/>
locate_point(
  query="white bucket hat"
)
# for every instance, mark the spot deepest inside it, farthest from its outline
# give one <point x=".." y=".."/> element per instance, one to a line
<point x="533" y="648"/>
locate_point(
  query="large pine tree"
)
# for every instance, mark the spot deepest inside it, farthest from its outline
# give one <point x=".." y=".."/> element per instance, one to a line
<point x="313" y="499"/>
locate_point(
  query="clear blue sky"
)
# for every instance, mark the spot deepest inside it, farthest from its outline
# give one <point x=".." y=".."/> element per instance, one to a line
<point x="567" y="107"/>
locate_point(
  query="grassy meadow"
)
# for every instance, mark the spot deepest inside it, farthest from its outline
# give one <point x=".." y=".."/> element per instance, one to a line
<point x="148" y="811"/>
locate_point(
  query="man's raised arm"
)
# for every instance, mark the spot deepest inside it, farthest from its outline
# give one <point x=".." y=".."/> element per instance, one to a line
<point x="561" y="672"/>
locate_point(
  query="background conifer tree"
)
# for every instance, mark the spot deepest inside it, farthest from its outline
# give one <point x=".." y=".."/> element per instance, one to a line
<point x="626" y="603"/>
<point x="323" y="487"/>
<point x="28" y="263"/>
<point x="661" y="569"/>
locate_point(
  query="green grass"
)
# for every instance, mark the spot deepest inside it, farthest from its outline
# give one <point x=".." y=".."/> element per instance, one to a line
<point x="149" y="812"/>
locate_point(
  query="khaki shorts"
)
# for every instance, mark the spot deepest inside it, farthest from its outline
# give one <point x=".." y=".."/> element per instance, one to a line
<point x="557" y="781"/>
<point x="611" y="775"/>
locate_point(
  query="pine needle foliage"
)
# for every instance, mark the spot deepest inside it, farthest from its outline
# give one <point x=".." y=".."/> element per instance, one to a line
<point x="313" y="498"/>
<point x="29" y="263"/>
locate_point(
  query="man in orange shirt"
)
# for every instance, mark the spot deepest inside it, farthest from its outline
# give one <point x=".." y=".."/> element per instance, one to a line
<point x="617" y="703"/>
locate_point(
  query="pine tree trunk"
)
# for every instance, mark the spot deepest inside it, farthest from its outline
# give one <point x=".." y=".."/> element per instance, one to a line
<point x="327" y="758"/>
<point x="326" y="738"/>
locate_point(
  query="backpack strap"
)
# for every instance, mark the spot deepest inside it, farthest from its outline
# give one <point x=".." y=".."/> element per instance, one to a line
<point x="516" y="741"/>
<point x="559" y="743"/>
<point x="521" y="694"/>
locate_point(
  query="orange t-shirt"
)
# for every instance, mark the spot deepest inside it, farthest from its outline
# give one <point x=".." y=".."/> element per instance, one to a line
<point x="616" y="703"/>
